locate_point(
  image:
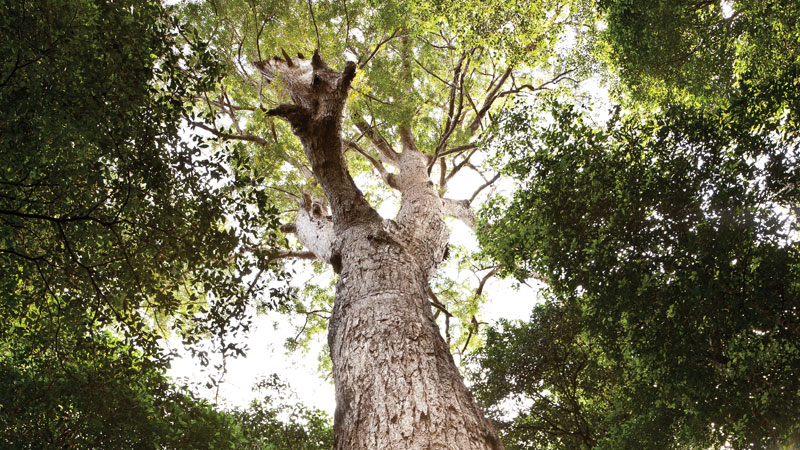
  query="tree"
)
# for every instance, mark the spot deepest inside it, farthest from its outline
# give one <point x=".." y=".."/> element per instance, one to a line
<point x="667" y="248"/>
<point x="673" y="248"/>
<point x="415" y="85"/>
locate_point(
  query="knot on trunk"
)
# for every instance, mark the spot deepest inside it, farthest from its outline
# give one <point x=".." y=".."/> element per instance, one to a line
<point x="336" y="255"/>
<point x="315" y="206"/>
<point x="379" y="236"/>
<point x="313" y="227"/>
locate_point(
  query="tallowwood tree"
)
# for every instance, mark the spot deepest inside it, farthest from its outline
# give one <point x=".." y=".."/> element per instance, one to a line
<point x="403" y="95"/>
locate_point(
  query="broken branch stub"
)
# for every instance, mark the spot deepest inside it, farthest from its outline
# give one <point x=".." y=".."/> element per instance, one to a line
<point x="317" y="91"/>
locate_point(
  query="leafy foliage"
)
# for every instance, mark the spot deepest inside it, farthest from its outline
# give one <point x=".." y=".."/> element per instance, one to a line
<point x="667" y="241"/>
<point x="668" y="238"/>
<point x="275" y="423"/>
<point x="104" y="394"/>
<point x="104" y="209"/>
<point x="114" y="230"/>
<point x="525" y="31"/>
<point x="107" y="395"/>
<point x="560" y="391"/>
<point x="706" y="52"/>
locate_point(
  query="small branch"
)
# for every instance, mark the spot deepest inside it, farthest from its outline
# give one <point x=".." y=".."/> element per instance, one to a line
<point x="373" y="98"/>
<point x="486" y="278"/>
<point x="242" y="137"/>
<point x="490" y="98"/>
<point x="437" y="304"/>
<point x="483" y="186"/>
<point x="430" y="72"/>
<point x="377" y="47"/>
<point x="473" y="328"/>
<point x="347" y="24"/>
<point x="227" y="105"/>
<point x="456" y="103"/>
<point x="314" y="20"/>
<point x="284" y="191"/>
<point x="461" y="165"/>
<point x="555" y="80"/>
<point x="457" y="150"/>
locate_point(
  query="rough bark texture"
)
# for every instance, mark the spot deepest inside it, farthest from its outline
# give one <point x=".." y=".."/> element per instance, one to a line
<point x="397" y="386"/>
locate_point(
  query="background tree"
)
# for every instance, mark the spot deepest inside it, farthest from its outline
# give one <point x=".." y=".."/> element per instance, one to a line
<point x="668" y="245"/>
<point x="276" y="421"/>
<point x="113" y="231"/>
<point x="674" y="243"/>
<point x="550" y="385"/>
<point x="104" y="395"/>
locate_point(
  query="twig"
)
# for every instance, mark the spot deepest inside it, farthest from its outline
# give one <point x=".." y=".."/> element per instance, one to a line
<point x="484" y="186"/>
<point x="314" y="20"/>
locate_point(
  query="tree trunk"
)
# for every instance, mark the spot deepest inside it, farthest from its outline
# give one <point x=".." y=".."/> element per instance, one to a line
<point x="397" y="386"/>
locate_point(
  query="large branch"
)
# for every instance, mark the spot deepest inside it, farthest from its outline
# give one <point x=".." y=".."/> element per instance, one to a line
<point x="387" y="177"/>
<point x="231" y="136"/>
<point x="385" y="150"/>
<point x="491" y="96"/>
<point x="455" y="104"/>
<point x="318" y="95"/>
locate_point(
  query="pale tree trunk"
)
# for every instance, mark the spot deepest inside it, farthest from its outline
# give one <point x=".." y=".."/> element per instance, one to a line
<point x="397" y="386"/>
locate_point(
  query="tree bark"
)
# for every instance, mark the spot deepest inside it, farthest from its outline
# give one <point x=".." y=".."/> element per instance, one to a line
<point x="397" y="386"/>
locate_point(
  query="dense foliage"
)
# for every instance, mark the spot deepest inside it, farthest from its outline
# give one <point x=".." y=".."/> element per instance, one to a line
<point x="667" y="237"/>
<point x="113" y="230"/>
<point x="667" y="243"/>
<point x="556" y="392"/>
<point x="275" y="421"/>
<point x="104" y="395"/>
<point x="706" y="52"/>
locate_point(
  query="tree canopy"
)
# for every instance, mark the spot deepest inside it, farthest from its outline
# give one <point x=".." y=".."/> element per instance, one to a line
<point x="114" y="232"/>
<point x="670" y="254"/>
<point x="442" y="71"/>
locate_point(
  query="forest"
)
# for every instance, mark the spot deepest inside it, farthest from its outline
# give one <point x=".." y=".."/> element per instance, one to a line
<point x="367" y="173"/>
